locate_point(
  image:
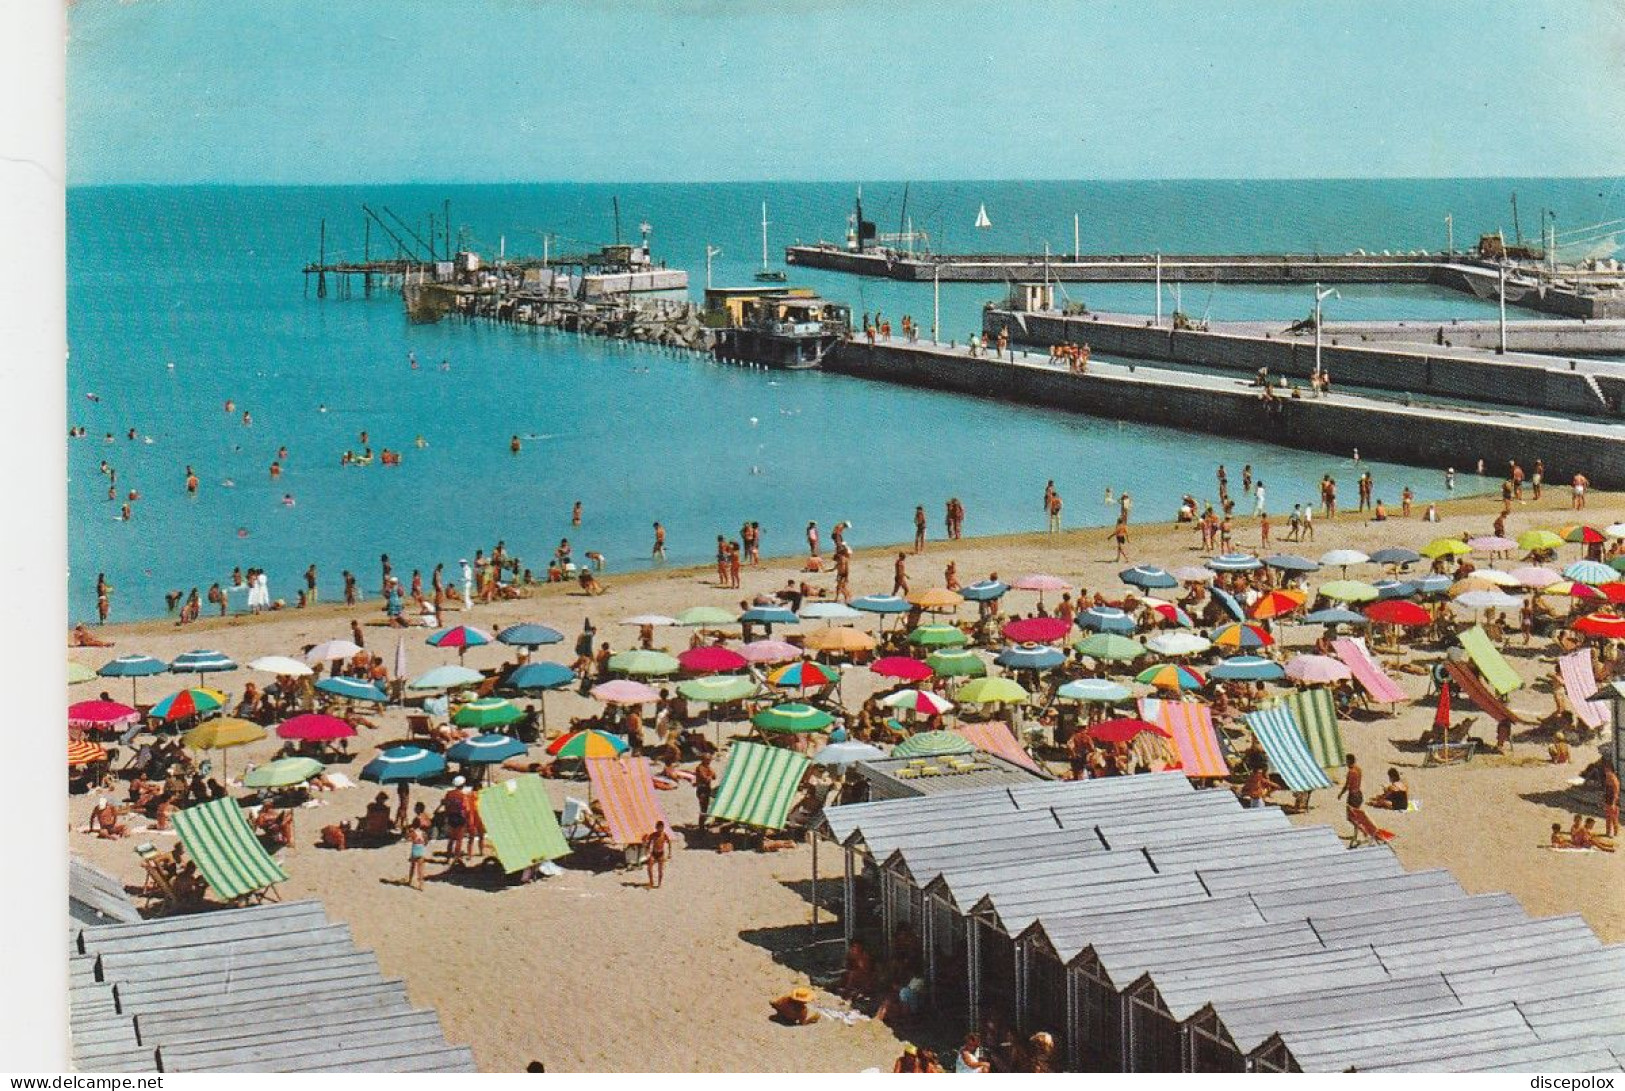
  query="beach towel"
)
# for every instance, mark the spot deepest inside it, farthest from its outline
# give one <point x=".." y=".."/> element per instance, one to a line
<point x="1383" y="689"/>
<point x="995" y="738"/>
<point x="519" y="823"/>
<point x="758" y="785"/>
<point x="218" y="838"/>
<point x="1278" y="733"/>
<point x="1489" y="660"/>
<point x="1480" y="694"/>
<point x="1581" y="683"/>
<point x="626" y="792"/>
<point x="1191" y="725"/>
<point x="1316" y="714"/>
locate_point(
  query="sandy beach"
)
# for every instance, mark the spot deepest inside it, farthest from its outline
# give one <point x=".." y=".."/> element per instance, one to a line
<point x="592" y="971"/>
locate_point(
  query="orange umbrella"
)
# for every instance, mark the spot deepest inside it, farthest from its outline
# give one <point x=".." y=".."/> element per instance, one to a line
<point x="85" y="753"/>
<point x="1277" y="603"/>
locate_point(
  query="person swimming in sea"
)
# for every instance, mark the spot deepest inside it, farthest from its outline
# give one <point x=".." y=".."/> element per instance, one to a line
<point x="287" y="499"/>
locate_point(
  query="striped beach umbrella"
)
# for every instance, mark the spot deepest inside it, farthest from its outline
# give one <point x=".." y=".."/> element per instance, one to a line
<point x="932" y="744"/>
<point x="132" y="666"/>
<point x="485" y="749"/>
<point x="403" y="763"/>
<point x="793" y="718"/>
<point x="1030" y="657"/>
<point x="353" y="689"/>
<point x="984" y="590"/>
<point x="881" y="604"/>
<point x="201" y="661"/>
<point x="188" y="702"/>
<point x="1291" y="562"/>
<point x="81" y="752"/>
<point x="804" y="675"/>
<point x="1234" y="562"/>
<point x="1240" y="635"/>
<point x="488" y="712"/>
<point x="589" y="743"/>
<point x="902" y="668"/>
<point x="1588" y="572"/>
<point x="1147" y="576"/>
<point x="1171" y="676"/>
<point x="315" y="727"/>
<point x="719" y="688"/>
<point x="956" y="663"/>
<point x="283" y="773"/>
<point x="918" y="700"/>
<point x="461" y="637"/>
<point x="1603" y="623"/>
<point x="1105" y="619"/>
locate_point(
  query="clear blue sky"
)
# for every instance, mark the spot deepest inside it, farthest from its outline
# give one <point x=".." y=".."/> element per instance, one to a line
<point x="687" y="90"/>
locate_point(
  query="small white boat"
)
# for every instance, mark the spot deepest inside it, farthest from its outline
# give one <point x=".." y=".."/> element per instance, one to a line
<point x="981" y="217"/>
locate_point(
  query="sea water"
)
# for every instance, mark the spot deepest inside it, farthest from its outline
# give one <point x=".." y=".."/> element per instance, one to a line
<point x="180" y="299"/>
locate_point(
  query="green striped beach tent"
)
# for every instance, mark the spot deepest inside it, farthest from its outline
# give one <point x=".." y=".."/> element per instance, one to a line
<point x="758" y="786"/>
<point x="520" y="824"/>
<point x="1278" y="733"/>
<point x="1316" y="714"/>
<point x="216" y="835"/>
<point x="1489" y="661"/>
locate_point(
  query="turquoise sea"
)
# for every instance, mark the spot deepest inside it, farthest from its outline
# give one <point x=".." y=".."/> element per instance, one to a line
<point x="181" y="298"/>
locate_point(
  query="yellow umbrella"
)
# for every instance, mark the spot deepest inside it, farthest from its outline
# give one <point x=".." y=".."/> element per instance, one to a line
<point x="1445" y="547"/>
<point x="839" y="638"/>
<point x="936" y="598"/>
<point x="223" y="732"/>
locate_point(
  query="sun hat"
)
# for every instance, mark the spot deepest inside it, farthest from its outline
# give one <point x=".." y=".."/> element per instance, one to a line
<point x="459" y="782"/>
<point x="803" y="995"/>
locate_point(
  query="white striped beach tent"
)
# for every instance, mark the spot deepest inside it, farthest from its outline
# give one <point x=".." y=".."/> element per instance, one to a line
<point x="1282" y="738"/>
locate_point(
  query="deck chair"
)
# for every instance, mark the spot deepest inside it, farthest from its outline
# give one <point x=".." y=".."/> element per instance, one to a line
<point x="230" y="858"/>
<point x="158" y="892"/>
<point x="420" y="727"/>
<point x="576" y="821"/>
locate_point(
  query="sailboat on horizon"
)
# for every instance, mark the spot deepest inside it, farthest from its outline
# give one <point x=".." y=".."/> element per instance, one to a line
<point x="981" y="217"/>
<point x="768" y="274"/>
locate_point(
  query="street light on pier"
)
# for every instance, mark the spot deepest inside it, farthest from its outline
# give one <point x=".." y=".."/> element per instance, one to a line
<point x="1320" y="295"/>
<point x="710" y="252"/>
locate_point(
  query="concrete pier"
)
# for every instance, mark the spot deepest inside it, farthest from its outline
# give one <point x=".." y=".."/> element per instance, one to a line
<point x="1425" y="435"/>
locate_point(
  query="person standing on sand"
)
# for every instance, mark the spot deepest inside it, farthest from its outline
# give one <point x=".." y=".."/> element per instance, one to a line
<point x="1055" y="512"/>
<point x="1578" y="485"/>
<point x="1610" y="800"/>
<point x="104" y="593"/>
<point x="468" y="583"/>
<point x="1119" y="535"/>
<point x="705" y="783"/>
<point x="899" y="584"/>
<point x="656" y="849"/>
<point x="310" y="585"/>
<point x="812" y="539"/>
<point x="417" y="852"/>
<point x="919" y="528"/>
<point x="843" y="575"/>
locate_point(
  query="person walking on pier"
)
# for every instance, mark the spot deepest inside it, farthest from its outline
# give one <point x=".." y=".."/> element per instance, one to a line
<point x="919" y="528"/>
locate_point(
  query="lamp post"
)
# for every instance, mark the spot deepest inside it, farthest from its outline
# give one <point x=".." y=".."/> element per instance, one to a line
<point x="1320" y="295"/>
<point x="710" y="252"/>
<point x="1501" y="270"/>
<point x="1450" y="236"/>
<point x="1159" y="289"/>
<point x="936" y="299"/>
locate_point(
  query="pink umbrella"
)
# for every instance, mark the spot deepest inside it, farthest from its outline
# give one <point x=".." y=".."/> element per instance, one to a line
<point x="1038" y="581"/>
<point x="1316" y="669"/>
<point x="770" y="651"/>
<point x="1036" y="630"/>
<point x="624" y="691"/>
<point x="1492" y="544"/>
<point x="902" y="667"/>
<point x="315" y="727"/>
<point x="1536" y="577"/>
<point x="711" y="659"/>
<point x="100" y="715"/>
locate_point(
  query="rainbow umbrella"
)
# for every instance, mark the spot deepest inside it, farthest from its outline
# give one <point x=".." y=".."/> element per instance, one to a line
<point x="201" y="661"/>
<point x="1579" y="532"/>
<point x="984" y="590"/>
<point x="938" y="636"/>
<point x="188" y="702"/>
<point x="488" y="712"/>
<point x="1030" y="657"/>
<point x="589" y="743"/>
<point x="796" y="719"/>
<point x="1171" y="676"/>
<point x="1234" y="562"/>
<point x="461" y="637"/>
<point x="1147" y="577"/>
<point x="85" y="753"/>
<point x="1240" y="635"/>
<point x="959" y="663"/>
<point x="315" y="727"/>
<point x="804" y="675"/>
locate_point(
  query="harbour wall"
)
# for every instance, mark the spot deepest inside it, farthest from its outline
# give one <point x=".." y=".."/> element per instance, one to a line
<point x="1521" y="380"/>
<point x="1426" y="436"/>
<point x="1547" y="336"/>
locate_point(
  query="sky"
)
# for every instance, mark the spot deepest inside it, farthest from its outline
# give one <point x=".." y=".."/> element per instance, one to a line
<point x="335" y="91"/>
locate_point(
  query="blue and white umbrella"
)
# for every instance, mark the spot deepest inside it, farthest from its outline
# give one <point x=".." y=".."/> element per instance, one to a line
<point x="400" y="763"/>
<point x="353" y="689"/>
<point x="881" y="604"/>
<point x="1230" y="603"/>
<point x="1147" y="576"/>
<point x="828" y="611"/>
<point x="1335" y="615"/>
<point x="1394" y="589"/>
<point x="132" y="667"/>
<point x="1105" y="619"/>
<point x="984" y="590"/>
<point x="1291" y="562"/>
<point x="539" y="676"/>
<point x="485" y="749"/>
<point x="529" y="634"/>
<point x="1030" y="657"/>
<point x="1235" y="562"/>
<point x="1248" y="668"/>
<point x="1589" y="572"/>
<point x="1094" y="689"/>
<point x="770" y="615"/>
<point x="200" y="661"/>
<point x="1395" y="555"/>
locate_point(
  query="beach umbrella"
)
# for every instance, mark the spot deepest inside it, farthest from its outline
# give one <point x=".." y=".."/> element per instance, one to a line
<point x="1475" y="582"/>
<point x="1573" y="590"/>
<point x="1248" y="668"/>
<point x="991" y="691"/>
<point x="488" y="712"/>
<point x="461" y="637"/>
<point x="1178" y="643"/>
<point x="1432" y="584"/>
<point x="280" y="665"/>
<point x="881" y="604"/>
<point x="78" y="672"/>
<point x="1171" y="676"/>
<point x="403" y="763"/>
<point x="770" y="615"/>
<point x="1394" y="589"/>
<point x="1147" y="577"/>
<point x="1291" y="562"/>
<point x="1234" y="562"/>
<point x="959" y="663"/>
<point x="713" y="659"/>
<point x="1123" y="730"/>
<point x="485" y="749"/>
<point x="1347" y="591"/>
<point x="283" y="773"/>
<point x="642" y="663"/>
<point x="902" y="668"/>
<point x="804" y="675"/>
<point x="1614" y="530"/>
<point x="1342" y="558"/>
<point x="1105" y="619"/>
<point x="1335" y="615"/>
<point x="447" y="676"/>
<point x="1278" y="604"/>
<point x="770" y="651"/>
<point x="1589" y="572"/>
<point x="1396" y="555"/>
<point x="1613" y="591"/>
<point x="918" y="700"/>
<point x="932" y="744"/>
<point x="1532" y="540"/>
<point x="1240" y="635"/>
<point x="719" y="688"/>
<point x="1040" y="581"/>
<point x="353" y="689"/>
<point x="1398" y="612"/>
<point x="200" y="662"/>
<point x="1445" y="547"/>
<point x="1111" y="647"/>
<point x="624" y="691"/>
<point x="654" y="621"/>
<point x="1488" y="600"/>
<point x="705" y="615"/>
<point x="223" y="732"/>
<point x="792" y="719"/>
<point x="1102" y="690"/>
<point x="938" y="636"/>
<point x="1582" y="534"/>
<point x="1191" y="573"/>
<point x="1231" y="604"/>
<point x="188" y="702"/>
<point x="1170" y="613"/>
<point x="839" y="638"/>
<point x="828" y="611"/>
<point x="98" y="715"/>
<point x="1316" y="669"/>
<point x="1030" y="657"/>
<point x="1037" y="630"/>
<point x="539" y="676"/>
<point x="315" y="727"/>
<point x="839" y="755"/>
<point x="935" y="598"/>
<point x="529" y="634"/>
<point x="1495" y="577"/>
<point x="132" y="667"/>
<point x="985" y="590"/>
<point x="81" y="752"/>
<point x="1491" y="543"/>
<point x="1604" y="623"/>
<point x="329" y="650"/>
<point x="1535" y="577"/>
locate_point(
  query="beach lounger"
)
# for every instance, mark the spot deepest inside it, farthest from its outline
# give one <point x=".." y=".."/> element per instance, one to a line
<point x="1451" y="753"/>
<point x="758" y="786"/>
<point x="1580" y="683"/>
<point x="1354" y="654"/>
<point x="519" y="823"/>
<point x="1489" y="661"/>
<point x="1191" y="725"/>
<point x="626" y="792"/>
<point x="218" y="838"/>
<point x="995" y="738"/>
<point x="1278" y="732"/>
<point x="1317" y="719"/>
<point x="1478" y="691"/>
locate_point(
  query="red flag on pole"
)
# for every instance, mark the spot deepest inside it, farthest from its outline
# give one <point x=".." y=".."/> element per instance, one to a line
<point x="1441" y="715"/>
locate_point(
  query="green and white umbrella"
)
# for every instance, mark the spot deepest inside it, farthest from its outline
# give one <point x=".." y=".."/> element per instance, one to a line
<point x="719" y="688"/>
<point x="956" y="664"/>
<point x="488" y="712"/>
<point x="282" y="773"/>
<point x="932" y="744"/>
<point x="792" y="718"/>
